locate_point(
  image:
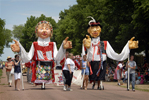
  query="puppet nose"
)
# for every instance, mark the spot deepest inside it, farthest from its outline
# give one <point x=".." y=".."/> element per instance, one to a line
<point x="95" y="29"/>
<point x="44" y="30"/>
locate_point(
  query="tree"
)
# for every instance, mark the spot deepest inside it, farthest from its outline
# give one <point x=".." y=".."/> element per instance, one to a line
<point x="5" y="36"/>
<point x="140" y="22"/>
<point x="17" y="31"/>
<point x="2" y="40"/>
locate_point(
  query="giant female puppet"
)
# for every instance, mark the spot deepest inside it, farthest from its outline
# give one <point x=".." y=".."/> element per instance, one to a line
<point x="97" y="52"/>
<point x="44" y="52"/>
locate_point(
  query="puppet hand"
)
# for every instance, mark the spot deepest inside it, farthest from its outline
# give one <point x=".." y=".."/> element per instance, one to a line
<point x="133" y="44"/>
<point x="15" y="47"/>
<point x="87" y="42"/>
<point x="67" y="44"/>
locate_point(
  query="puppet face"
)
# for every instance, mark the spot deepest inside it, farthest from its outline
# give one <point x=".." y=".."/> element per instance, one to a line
<point x="94" y="31"/>
<point x="44" y="31"/>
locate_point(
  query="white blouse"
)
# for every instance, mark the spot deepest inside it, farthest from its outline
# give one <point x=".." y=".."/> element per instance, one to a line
<point x="26" y="57"/>
<point x="93" y="56"/>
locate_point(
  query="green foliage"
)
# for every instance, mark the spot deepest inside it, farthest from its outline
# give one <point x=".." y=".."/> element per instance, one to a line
<point x="17" y="31"/>
<point x="2" y="39"/>
<point x="5" y="36"/>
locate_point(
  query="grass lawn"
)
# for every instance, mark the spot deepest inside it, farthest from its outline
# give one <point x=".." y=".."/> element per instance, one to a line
<point x="1" y="71"/>
<point x="141" y="87"/>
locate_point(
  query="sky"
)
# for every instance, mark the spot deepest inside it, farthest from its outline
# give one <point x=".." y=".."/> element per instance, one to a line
<point x="15" y="12"/>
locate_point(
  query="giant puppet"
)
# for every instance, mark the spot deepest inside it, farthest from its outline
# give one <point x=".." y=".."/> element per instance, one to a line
<point x="44" y="52"/>
<point x="98" y="51"/>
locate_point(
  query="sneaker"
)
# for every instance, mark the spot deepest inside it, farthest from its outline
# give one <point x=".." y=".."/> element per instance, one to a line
<point x="133" y="90"/>
<point x="119" y="84"/>
<point x="29" y="82"/>
<point x="69" y="89"/>
<point x="64" y="88"/>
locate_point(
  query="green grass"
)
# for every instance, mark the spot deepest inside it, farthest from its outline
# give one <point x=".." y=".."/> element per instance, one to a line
<point x="146" y="90"/>
<point x="141" y="87"/>
<point x="3" y="84"/>
<point x="1" y="74"/>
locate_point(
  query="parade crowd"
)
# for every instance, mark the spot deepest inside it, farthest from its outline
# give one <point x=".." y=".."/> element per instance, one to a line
<point x="92" y="62"/>
<point x="13" y="68"/>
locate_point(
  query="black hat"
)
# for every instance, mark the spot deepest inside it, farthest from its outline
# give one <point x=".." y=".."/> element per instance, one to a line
<point x="93" y="22"/>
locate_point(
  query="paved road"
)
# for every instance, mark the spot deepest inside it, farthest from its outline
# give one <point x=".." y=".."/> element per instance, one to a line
<point x="56" y="93"/>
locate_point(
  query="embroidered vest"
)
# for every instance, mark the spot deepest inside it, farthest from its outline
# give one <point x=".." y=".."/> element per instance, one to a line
<point x="43" y="53"/>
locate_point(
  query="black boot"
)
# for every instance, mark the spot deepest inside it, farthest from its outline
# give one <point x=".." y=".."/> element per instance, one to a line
<point x="93" y="86"/>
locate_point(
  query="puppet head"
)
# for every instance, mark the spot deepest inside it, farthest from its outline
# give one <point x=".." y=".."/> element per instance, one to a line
<point x="44" y="29"/>
<point x="94" y="27"/>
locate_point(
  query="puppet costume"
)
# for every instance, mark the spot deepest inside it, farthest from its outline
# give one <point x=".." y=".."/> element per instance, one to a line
<point x="97" y="54"/>
<point x="44" y="53"/>
<point x="94" y="56"/>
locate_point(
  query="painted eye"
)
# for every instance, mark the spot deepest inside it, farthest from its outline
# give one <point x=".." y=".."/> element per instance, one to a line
<point x="46" y="28"/>
<point x="41" y="29"/>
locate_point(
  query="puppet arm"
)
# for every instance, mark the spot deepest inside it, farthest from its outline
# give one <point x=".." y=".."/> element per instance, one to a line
<point x="26" y="57"/>
<point x="59" y="54"/>
<point x="115" y="56"/>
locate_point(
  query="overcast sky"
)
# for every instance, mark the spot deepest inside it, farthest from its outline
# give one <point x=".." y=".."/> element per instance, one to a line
<point x="15" y="12"/>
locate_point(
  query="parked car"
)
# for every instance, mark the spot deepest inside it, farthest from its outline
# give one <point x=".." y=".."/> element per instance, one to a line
<point x="1" y="66"/>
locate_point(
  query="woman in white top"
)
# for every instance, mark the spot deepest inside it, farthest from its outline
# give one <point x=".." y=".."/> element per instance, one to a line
<point x="68" y="71"/>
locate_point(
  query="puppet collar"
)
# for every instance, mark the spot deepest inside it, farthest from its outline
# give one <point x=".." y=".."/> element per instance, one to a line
<point x="43" y="42"/>
<point x="95" y="40"/>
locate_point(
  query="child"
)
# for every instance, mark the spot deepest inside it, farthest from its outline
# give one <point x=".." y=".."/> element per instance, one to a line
<point x="142" y="79"/>
<point x="84" y="66"/>
<point x="125" y="76"/>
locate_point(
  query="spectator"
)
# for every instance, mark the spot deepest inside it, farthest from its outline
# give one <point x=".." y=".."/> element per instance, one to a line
<point x="146" y="76"/>
<point x="8" y="65"/>
<point x="84" y="65"/>
<point x="142" y="79"/>
<point x="125" y="75"/>
<point x="132" y="65"/>
<point x="28" y="65"/>
<point x="3" y="64"/>
<point x="68" y="71"/>
<point x="17" y="72"/>
<point x="62" y="62"/>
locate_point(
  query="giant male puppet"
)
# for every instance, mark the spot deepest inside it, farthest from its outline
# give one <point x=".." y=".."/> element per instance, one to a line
<point x="44" y="52"/>
<point x="98" y="51"/>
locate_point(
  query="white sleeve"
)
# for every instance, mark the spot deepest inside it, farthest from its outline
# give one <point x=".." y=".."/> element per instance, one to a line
<point x="83" y="51"/>
<point x="26" y="57"/>
<point x="59" y="55"/>
<point x="68" y="61"/>
<point x="115" y="56"/>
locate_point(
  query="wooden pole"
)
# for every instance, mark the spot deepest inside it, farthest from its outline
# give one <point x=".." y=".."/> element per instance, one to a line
<point x="128" y="76"/>
<point x="21" y="72"/>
